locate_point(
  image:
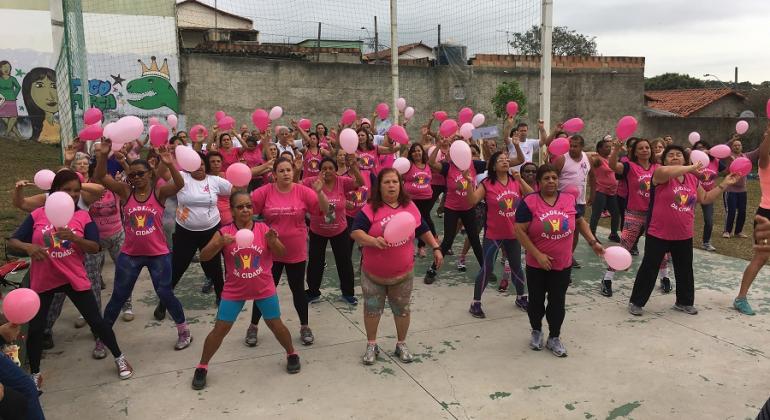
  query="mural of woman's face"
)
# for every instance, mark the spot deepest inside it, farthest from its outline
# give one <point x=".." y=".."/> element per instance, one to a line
<point x="5" y="70"/>
<point x="44" y="95"/>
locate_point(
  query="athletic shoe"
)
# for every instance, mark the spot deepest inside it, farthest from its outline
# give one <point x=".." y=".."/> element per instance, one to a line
<point x="125" y="370"/>
<point x="708" y="247"/>
<point x="37" y="379"/>
<point x="99" y="351"/>
<point x="47" y="341"/>
<point x="251" y="336"/>
<point x="742" y="305"/>
<point x="605" y="213"/>
<point x="292" y="363"/>
<point x="522" y="302"/>
<point x="476" y="311"/>
<point x="688" y="309"/>
<point x="556" y="347"/>
<point x="208" y="285"/>
<point x="726" y="235"/>
<point x="449" y="252"/>
<point x="350" y="300"/>
<point x="742" y="235"/>
<point x="503" y="286"/>
<point x="461" y="264"/>
<point x="312" y="298"/>
<point x="576" y="264"/>
<point x="128" y="312"/>
<point x="306" y="335"/>
<point x="160" y="312"/>
<point x="634" y="250"/>
<point x="403" y="353"/>
<point x="614" y="238"/>
<point x="430" y="276"/>
<point x="606" y="288"/>
<point x="183" y="340"/>
<point x="536" y="340"/>
<point x="370" y="355"/>
<point x="199" y="379"/>
<point x="80" y="322"/>
<point x="635" y="310"/>
<point x="665" y="285"/>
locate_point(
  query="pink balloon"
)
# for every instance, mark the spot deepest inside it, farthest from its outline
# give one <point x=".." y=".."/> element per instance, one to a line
<point x="304" y="124"/>
<point x="720" y="151"/>
<point x="441" y="116"/>
<point x="59" y="208"/>
<point x="91" y="132"/>
<point x="116" y="146"/>
<point x="767" y="109"/>
<point x="348" y="117"/>
<point x="349" y="140"/>
<point x="219" y="115"/>
<point x="618" y="258"/>
<point x="153" y="121"/>
<point x="573" y="125"/>
<point x="44" y="178"/>
<point x="626" y="127"/>
<point x="409" y="113"/>
<point x="512" y="108"/>
<point x="740" y="166"/>
<point x="478" y="120"/>
<point x="699" y="156"/>
<point x="107" y="131"/>
<point x="558" y="147"/>
<point x="226" y="123"/>
<point x="275" y="113"/>
<point x="158" y="135"/>
<point x="198" y="130"/>
<point x="244" y="238"/>
<point x="188" y="159"/>
<point x="127" y="128"/>
<point x="238" y="174"/>
<point x="741" y="127"/>
<point x="382" y="110"/>
<point x="21" y="305"/>
<point x="398" y="133"/>
<point x="466" y="130"/>
<point x="572" y="190"/>
<point x="464" y="116"/>
<point x="402" y="165"/>
<point x="694" y="137"/>
<point x="401" y="104"/>
<point x="400" y="228"/>
<point x="92" y="116"/>
<point x="172" y="120"/>
<point x="261" y="119"/>
<point x="460" y="153"/>
<point x="448" y="128"/>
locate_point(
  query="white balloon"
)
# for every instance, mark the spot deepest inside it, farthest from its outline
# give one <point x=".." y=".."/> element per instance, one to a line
<point x="402" y="165"/>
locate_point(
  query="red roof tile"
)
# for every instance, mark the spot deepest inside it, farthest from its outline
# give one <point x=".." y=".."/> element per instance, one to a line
<point x="385" y="54"/>
<point x="685" y="102"/>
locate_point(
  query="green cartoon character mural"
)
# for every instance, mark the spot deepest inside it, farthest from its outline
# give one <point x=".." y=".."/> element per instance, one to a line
<point x="154" y="89"/>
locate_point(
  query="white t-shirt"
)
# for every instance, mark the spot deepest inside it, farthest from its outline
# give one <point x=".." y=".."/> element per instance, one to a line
<point x="528" y="147"/>
<point x="197" y="202"/>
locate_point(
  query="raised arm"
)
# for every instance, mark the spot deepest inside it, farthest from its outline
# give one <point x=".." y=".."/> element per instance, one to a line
<point x="612" y="160"/>
<point x="709" y="197"/>
<point x="664" y="173"/>
<point x="764" y="149"/>
<point x="302" y="133"/>
<point x="352" y="163"/>
<point x="171" y="188"/>
<point x="122" y="189"/>
<point x="519" y="159"/>
<point x="476" y="194"/>
<point x="432" y="162"/>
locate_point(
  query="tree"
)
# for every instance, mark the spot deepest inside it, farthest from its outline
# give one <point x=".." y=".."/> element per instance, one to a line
<point x="506" y="92"/>
<point x="670" y="81"/>
<point x="565" y="41"/>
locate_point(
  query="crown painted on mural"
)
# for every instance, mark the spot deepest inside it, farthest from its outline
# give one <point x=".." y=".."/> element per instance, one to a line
<point x="153" y="69"/>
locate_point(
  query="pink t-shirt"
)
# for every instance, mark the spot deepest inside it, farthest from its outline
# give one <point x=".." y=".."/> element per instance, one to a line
<point x="551" y="228"/>
<point x="397" y="259"/>
<point x="710" y="173"/>
<point x="502" y="202"/>
<point x="368" y="160"/>
<point x="437" y="178"/>
<point x="673" y="207"/>
<point x="106" y="214"/>
<point x="248" y="270"/>
<point x="252" y="158"/>
<point x="457" y="188"/>
<point x="386" y="160"/>
<point x="639" y="182"/>
<point x="360" y="195"/>
<point x="764" y="187"/>
<point x="417" y="183"/>
<point x="143" y="223"/>
<point x="605" y="178"/>
<point x="225" y="213"/>
<point x="333" y="223"/>
<point x="285" y="212"/>
<point x="622" y="184"/>
<point x="229" y="157"/>
<point x="311" y="164"/>
<point x="65" y="262"/>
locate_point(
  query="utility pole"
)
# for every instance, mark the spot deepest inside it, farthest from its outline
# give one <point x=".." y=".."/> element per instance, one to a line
<point x="394" y="58"/>
<point x="545" y="67"/>
<point x="735" y="86"/>
<point x="216" y="13"/>
<point x="318" y="44"/>
<point x="376" y="42"/>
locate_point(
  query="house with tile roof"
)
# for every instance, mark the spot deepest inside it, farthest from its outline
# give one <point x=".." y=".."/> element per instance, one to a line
<point x="694" y="103"/>
<point x="413" y="51"/>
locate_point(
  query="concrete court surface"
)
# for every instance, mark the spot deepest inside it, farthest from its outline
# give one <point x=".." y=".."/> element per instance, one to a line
<point x="665" y="364"/>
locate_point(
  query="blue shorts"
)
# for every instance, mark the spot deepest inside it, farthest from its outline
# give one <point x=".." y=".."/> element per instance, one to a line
<point x="229" y="309"/>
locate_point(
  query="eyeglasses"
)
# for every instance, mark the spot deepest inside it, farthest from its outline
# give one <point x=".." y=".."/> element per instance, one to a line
<point x="137" y="174"/>
<point x="244" y="206"/>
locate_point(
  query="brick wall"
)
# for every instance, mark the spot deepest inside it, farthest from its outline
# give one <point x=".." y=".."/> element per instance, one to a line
<point x="567" y="62"/>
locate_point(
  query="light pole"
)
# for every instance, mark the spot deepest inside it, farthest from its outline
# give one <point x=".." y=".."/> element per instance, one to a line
<point x="717" y="79"/>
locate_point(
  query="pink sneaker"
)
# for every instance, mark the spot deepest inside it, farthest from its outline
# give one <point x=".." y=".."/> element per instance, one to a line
<point x="184" y="339"/>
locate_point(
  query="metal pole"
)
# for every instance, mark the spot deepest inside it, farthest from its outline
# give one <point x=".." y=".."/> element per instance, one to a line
<point x="736" y="78"/>
<point x="318" y="44"/>
<point x="546" y="35"/>
<point x="394" y="58"/>
<point x="438" y="46"/>
<point x="376" y="42"/>
<point x="216" y="12"/>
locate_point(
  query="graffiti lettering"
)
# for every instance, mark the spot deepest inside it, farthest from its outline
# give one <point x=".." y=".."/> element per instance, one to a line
<point x="99" y="94"/>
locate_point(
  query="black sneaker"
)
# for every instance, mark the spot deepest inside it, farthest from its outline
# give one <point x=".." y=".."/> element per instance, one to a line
<point x="607" y="288"/>
<point x="160" y="312"/>
<point x="430" y="276"/>
<point x="199" y="379"/>
<point x="576" y="264"/>
<point x="208" y="286"/>
<point x="476" y="311"/>
<point x="634" y="250"/>
<point x="614" y="238"/>
<point x="47" y="341"/>
<point x="665" y="285"/>
<point x="292" y="363"/>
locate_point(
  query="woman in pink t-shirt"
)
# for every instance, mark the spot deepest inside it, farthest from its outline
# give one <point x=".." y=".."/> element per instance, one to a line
<point x="248" y="277"/>
<point x="332" y="227"/>
<point x="57" y="256"/>
<point x="283" y="205"/>
<point x="388" y="268"/>
<point x="546" y="221"/>
<point x="675" y="190"/>
<point x="230" y="154"/>
<point x="417" y="183"/>
<point x="502" y="193"/>
<point x="708" y="180"/>
<point x="313" y="153"/>
<point x="603" y="190"/>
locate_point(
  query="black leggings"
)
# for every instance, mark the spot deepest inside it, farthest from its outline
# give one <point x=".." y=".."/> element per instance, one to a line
<point x="553" y="284"/>
<point x="468" y="218"/>
<point x="86" y="304"/>
<point x="186" y="242"/>
<point x="655" y="250"/>
<point x="424" y="206"/>
<point x="342" y="258"/>
<point x="437" y="191"/>
<point x="295" y="272"/>
<point x="605" y="202"/>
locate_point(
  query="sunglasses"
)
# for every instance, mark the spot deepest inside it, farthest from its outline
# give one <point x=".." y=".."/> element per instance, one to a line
<point x="137" y="174"/>
<point x="244" y="206"/>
